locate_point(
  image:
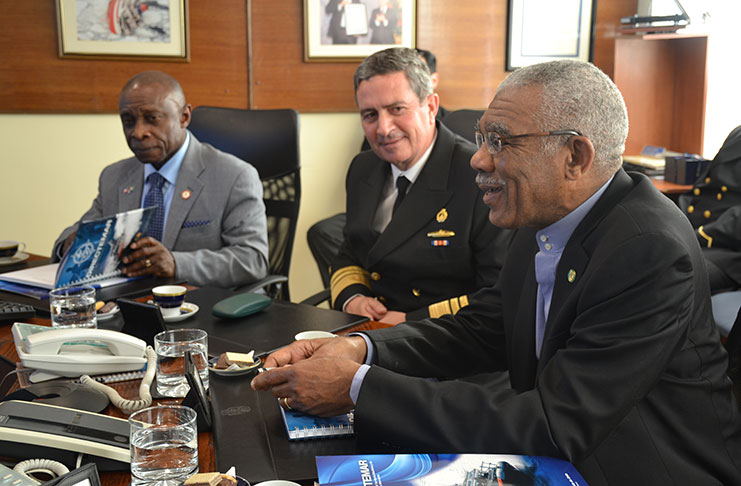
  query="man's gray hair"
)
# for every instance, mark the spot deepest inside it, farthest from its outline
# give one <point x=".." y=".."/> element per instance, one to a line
<point x="578" y="96"/>
<point x="394" y="60"/>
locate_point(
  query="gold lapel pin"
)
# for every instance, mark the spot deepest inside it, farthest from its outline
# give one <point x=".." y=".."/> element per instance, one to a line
<point x="442" y="215"/>
<point x="185" y="194"/>
<point x="571" y="275"/>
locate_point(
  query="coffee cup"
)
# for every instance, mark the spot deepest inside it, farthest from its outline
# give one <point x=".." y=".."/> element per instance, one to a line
<point x="9" y="248"/>
<point x="169" y="298"/>
<point x="313" y="335"/>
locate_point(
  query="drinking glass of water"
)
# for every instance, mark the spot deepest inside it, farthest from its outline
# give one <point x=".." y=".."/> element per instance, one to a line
<point x="164" y="445"/>
<point x="73" y="307"/>
<point x="171" y="347"/>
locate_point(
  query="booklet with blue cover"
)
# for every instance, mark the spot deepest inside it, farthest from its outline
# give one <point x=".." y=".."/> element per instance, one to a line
<point x="94" y="257"/>
<point x="303" y="426"/>
<point x="446" y="469"/>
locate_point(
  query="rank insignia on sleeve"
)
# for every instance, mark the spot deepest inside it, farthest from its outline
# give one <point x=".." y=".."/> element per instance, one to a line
<point x="441" y="234"/>
<point x="442" y="215"/>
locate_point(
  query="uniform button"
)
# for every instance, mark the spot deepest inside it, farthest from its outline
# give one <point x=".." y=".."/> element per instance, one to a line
<point x="543" y="238"/>
<point x="706" y="214"/>
<point x="690" y="209"/>
<point x="707" y="180"/>
<point x="696" y="191"/>
<point x="376" y="276"/>
<point x="548" y="246"/>
<point x="415" y="292"/>
<point x="381" y="298"/>
<point x="724" y="189"/>
<point x="719" y="196"/>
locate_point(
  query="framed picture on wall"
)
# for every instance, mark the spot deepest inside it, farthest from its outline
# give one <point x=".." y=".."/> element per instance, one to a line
<point x="155" y="29"/>
<point x="544" y="30"/>
<point x="350" y="30"/>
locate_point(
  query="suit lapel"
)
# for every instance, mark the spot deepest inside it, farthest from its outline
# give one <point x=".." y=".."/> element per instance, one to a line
<point x="188" y="180"/>
<point x="130" y="189"/>
<point x="523" y="324"/>
<point x="575" y="257"/>
<point x="427" y="196"/>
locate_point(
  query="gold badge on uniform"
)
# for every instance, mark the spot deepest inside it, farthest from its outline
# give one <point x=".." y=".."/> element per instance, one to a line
<point x="185" y="194"/>
<point x="441" y="234"/>
<point x="442" y="215"/>
<point x="571" y="275"/>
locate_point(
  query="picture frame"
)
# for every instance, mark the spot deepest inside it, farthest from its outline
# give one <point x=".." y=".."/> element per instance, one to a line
<point x="543" y="30"/>
<point x="123" y="29"/>
<point x="351" y="30"/>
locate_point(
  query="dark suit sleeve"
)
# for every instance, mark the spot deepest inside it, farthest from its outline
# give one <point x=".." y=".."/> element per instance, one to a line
<point x="624" y="331"/>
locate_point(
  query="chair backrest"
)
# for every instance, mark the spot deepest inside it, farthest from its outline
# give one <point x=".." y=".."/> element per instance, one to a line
<point x="269" y="140"/>
<point x="733" y="346"/>
<point x="463" y="122"/>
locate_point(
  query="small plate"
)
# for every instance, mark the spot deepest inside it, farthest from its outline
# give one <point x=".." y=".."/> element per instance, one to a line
<point x="186" y="310"/>
<point x="107" y="315"/>
<point x="240" y="371"/>
<point x="17" y="258"/>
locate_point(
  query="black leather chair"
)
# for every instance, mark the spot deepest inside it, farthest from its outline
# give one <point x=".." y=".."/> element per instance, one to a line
<point x="269" y="140"/>
<point x="463" y="122"/>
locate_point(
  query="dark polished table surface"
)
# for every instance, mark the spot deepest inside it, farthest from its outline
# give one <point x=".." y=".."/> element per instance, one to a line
<point x="130" y="389"/>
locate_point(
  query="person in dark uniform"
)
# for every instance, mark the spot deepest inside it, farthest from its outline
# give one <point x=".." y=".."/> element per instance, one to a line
<point x="417" y="240"/>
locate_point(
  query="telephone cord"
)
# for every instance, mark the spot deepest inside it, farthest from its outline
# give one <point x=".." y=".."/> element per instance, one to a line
<point x="47" y="466"/>
<point x="128" y="406"/>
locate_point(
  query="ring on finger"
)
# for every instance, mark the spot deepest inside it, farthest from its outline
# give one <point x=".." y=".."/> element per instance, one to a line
<point x="285" y="403"/>
<point x="147" y="263"/>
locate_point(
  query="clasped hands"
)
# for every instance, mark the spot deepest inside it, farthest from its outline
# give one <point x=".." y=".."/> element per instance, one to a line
<point x="371" y="308"/>
<point x="314" y="376"/>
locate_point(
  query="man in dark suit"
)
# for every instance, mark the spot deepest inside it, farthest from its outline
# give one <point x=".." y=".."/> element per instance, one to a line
<point x="212" y="225"/>
<point x="601" y="315"/>
<point x="337" y="22"/>
<point x="325" y="236"/>
<point x="419" y="248"/>
<point x="383" y="21"/>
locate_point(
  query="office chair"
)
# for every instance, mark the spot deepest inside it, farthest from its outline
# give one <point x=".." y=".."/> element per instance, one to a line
<point x="269" y="140"/>
<point x="463" y="122"/>
<point x="733" y="347"/>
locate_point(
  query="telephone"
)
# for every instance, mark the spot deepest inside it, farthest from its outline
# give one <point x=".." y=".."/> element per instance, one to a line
<point x="74" y="352"/>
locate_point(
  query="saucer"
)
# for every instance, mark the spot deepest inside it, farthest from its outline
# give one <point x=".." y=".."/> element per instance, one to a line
<point x="107" y="315"/>
<point x="17" y="258"/>
<point x="186" y="310"/>
<point x="228" y="372"/>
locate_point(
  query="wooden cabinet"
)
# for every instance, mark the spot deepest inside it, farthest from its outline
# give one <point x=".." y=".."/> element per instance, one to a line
<point x="663" y="78"/>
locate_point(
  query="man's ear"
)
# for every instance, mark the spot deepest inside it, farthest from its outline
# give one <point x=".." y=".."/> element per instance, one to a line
<point x="581" y="153"/>
<point x="185" y="115"/>
<point x="433" y="104"/>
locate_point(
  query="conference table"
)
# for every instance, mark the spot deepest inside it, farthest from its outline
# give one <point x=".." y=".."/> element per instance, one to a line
<point x="129" y="389"/>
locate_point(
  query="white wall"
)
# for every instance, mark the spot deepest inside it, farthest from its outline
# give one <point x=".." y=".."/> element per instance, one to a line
<point x="50" y="166"/>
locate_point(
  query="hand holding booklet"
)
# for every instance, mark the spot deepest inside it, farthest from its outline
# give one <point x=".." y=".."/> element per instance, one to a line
<point x="93" y="258"/>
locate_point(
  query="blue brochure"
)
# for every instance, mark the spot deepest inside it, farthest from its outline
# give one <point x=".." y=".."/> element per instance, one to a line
<point x="100" y="244"/>
<point x="445" y="469"/>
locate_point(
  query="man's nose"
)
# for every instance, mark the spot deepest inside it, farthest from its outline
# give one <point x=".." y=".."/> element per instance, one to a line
<point x="139" y="131"/>
<point x="385" y="124"/>
<point x="482" y="160"/>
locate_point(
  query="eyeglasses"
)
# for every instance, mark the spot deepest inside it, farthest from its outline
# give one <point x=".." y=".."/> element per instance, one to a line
<point x="495" y="142"/>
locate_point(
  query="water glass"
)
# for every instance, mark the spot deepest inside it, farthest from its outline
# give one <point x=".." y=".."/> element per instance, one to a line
<point x="73" y="307"/>
<point x="164" y="445"/>
<point x="171" y="347"/>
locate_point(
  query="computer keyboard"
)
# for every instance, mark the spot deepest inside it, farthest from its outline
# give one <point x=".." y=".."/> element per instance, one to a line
<point x="11" y="311"/>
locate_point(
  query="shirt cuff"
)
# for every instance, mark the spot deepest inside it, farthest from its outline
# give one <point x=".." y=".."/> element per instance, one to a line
<point x="357" y="382"/>
<point x="370" y="350"/>
<point x="348" y="301"/>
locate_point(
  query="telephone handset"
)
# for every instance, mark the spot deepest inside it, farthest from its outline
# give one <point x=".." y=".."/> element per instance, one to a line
<point x="74" y="352"/>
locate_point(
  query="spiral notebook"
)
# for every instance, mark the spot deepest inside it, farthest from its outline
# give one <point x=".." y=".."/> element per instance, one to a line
<point x="303" y="426"/>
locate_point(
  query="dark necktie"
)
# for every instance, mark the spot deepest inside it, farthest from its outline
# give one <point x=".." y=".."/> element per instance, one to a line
<point x="402" y="184"/>
<point x="155" y="198"/>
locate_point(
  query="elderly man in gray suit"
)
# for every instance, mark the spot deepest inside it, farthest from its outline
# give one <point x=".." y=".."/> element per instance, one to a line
<point x="209" y="227"/>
